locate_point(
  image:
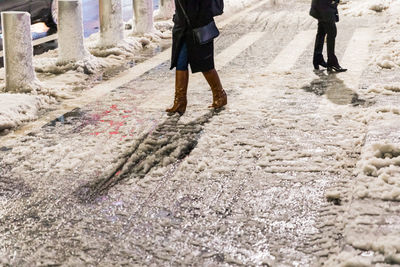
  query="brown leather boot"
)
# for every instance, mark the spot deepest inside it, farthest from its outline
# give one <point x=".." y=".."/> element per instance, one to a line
<point x="219" y="96"/>
<point x="181" y="86"/>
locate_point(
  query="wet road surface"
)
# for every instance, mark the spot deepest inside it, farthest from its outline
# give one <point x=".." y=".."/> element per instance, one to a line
<point x="117" y="182"/>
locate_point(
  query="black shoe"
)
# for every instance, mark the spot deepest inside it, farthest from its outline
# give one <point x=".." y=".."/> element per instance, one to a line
<point x="319" y="61"/>
<point x="333" y="64"/>
<point x="336" y="68"/>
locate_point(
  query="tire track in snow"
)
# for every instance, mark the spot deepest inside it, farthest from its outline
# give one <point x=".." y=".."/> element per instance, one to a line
<point x="168" y="142"/>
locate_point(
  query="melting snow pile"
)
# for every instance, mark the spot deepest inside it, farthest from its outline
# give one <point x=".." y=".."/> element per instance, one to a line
<point x="389" y="56"/>
<point x="87" y="65"/>
<point x="233" y="5"/>
<point x="16" y="109"/>
<point x="387" y="89"/>
<point x="380" y="172"/>
<point x="346" y="258"/>
<point x="387" y="245"/>
<point x="125" y="50"/>
<point x="365" y="7"/>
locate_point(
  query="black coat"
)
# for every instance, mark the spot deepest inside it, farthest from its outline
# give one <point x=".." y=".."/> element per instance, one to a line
<point x="325" y="10"/>
<point x="201" y="57"/>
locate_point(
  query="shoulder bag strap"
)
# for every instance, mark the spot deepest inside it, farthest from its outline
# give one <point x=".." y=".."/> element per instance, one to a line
<point x="184" y="13"/>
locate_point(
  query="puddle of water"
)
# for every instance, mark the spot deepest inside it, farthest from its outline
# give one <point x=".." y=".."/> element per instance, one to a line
<point x="111" y="72"/>
<point x="67" y="118"/>
<point x="144" y="55"/>
<point x="4" y="149"/>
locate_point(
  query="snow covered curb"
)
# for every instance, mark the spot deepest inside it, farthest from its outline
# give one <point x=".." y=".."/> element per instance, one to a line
<point x="389" y="56"/>
<point x="370" y="234"/>
<point x="388" y="34"/>
<point x="379" y="171"/>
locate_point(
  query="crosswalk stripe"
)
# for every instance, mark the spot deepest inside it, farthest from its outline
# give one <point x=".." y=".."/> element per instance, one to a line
<point x="291" y="53"/>
<point x="272" y="74"/>
<point x="356" y="56"/>
<point x="237" y="48"/>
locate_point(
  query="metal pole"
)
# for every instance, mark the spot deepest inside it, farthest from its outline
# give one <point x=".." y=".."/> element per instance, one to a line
<point x="18" y="52"/>
<point x="111" y="22"/>
<point x="70" y="31"/>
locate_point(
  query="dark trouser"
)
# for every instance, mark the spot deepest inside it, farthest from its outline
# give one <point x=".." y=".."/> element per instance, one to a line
<point x="329" y="30"/>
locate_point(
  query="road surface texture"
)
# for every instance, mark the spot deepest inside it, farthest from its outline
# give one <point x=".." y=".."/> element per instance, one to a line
<point x="269" y="180"/>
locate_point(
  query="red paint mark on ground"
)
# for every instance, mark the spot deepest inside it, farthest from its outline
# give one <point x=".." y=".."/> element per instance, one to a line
<point x="123" y="137"/>
<point x="96" y="117"/>
<point x="118" y="173"/>
<point x="113" y="127"/>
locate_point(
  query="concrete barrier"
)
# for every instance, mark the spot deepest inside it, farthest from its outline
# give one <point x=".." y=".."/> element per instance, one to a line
<point x="18" y="52"/>
<point x="111" y="23"/>
<point x="166" y="10"/>
<point x="70" y="32"/>
<point x="144" y="22"/>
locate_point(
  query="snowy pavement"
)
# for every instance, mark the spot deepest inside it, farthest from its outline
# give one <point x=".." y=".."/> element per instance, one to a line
<point x="300" y="169"/>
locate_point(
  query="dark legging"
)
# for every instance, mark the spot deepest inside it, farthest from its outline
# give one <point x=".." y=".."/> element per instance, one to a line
<point x="329" y="30"/>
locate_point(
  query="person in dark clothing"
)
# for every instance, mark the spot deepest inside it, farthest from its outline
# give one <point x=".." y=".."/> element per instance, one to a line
<point x="326" y="12"/>
<point x="186" y="51"/>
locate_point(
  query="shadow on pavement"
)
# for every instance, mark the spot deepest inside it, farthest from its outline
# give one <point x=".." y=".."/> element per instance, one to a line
<point x="334" y="88"/>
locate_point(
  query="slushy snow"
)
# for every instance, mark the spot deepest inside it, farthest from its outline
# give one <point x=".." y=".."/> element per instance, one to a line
<point x="16" y="109"/>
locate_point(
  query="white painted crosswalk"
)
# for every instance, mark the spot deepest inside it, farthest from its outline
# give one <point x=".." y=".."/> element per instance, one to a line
<point x="291" y="53"/>
<point x="356" y="57"/>
<point x="236" y="49"/>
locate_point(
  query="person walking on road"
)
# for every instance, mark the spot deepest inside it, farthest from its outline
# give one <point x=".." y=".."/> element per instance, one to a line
<point x="326" y="12"/>
<point x="187" y="49"/>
